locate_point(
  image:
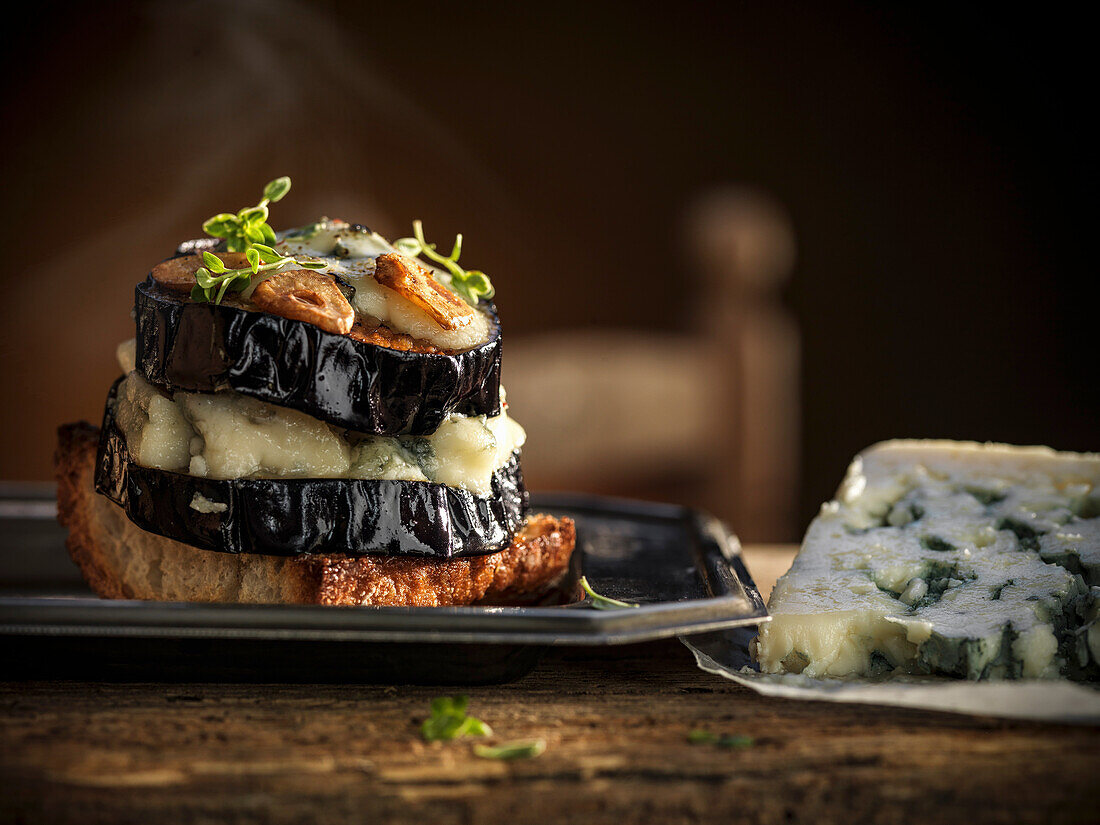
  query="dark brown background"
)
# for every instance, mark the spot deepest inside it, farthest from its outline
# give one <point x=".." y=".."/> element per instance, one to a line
<point x="935" y="162"/>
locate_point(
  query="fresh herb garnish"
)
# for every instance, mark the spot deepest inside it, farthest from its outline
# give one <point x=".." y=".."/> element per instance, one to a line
<point x="247" y="232"/>
<point x="512" y="750"/>
<point x="702" y="737"/>
<point x="249" y="226"/>
<point x="603" y="602"/>
<point x="705" y="737"/>
<point x="449" y="720"/>
<point x="215" y="279"/>
<point x="470" y="284"/>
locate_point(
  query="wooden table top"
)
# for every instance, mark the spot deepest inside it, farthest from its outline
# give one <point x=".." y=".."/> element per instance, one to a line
<point x="615" y="721"/>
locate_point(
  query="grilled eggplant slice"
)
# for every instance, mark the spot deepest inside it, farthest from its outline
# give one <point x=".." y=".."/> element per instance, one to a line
<point x="204" y="347"/>
<point x="302" y="517"/>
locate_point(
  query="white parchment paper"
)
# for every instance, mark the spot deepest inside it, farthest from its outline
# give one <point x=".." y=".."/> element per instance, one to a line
<point x="1049" y="700"/>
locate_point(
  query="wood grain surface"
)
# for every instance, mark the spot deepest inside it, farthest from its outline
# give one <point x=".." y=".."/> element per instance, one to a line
<point x="615" y="722"/>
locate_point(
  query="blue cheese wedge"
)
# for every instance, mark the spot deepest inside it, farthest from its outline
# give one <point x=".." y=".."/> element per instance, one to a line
<point x="980" y="561"/>
<point x="1091" y="631"/>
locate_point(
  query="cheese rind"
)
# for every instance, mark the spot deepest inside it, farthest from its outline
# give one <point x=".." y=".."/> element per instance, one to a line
<point x="938" y="557"/>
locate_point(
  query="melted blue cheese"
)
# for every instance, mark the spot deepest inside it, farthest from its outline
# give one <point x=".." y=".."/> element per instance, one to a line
<point x="938" y="557"/>
<point x="351" y="253"/>
<point x="237" y="436"/>
<point x="228" y="435"/>
<point x="385" y="459"/>
<point x="466" y="450"/>
<point x="157" y="432"/>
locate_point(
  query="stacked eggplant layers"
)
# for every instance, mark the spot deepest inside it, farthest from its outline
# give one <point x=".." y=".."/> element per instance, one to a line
<point x="311" y="439"/>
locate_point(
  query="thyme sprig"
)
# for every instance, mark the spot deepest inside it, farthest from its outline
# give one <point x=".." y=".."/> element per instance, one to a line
<point x="527" y="749"/>
<point x="732" y="741"/>
<point x="603" y="602"/>
<point x="215" y="279"/>
<point x="471" y="284"/>
<point x="449" y="720"/>
<point x="249" y="226"/>
<point x="249" y="232"/>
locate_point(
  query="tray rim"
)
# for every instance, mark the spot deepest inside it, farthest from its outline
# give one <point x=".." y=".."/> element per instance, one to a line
<point x="576" y="624"/>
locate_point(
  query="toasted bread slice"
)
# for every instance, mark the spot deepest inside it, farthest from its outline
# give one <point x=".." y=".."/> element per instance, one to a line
<point x="121" y="561"/>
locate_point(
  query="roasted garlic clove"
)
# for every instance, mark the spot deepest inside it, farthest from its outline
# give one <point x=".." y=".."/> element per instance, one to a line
<point x="179" y="273"/>
<point x="408" y="278"/>
<point x="306" y="295"/>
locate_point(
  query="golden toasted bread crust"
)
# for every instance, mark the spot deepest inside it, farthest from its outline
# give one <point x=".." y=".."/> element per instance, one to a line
<point x="76" y="444"/>
<point x="121" y="561"/>
<point x="538" y="555"/>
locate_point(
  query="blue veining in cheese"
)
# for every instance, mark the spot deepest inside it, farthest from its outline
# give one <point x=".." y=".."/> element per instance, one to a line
<point x="952" y="558"/>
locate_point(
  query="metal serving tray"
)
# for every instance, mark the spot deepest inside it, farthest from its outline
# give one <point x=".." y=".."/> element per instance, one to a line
<point x="683" y="567"/>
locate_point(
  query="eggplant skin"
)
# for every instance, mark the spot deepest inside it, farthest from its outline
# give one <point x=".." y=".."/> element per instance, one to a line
<point x="204" y="347"/>
<point x="304" y="517"/>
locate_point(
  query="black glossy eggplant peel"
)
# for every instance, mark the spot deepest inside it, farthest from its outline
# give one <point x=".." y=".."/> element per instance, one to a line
<point x="312" y="417"/>
<point x="343" y="379"/>
<point x="311" y="516"/>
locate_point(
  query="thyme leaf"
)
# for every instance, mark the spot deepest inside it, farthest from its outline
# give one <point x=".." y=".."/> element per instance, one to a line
<point x="705" y="737"/>
<point x="247" y="232"/>
<point x="603" y="602"/>
<point x="449" y="720"/>
<point x="213" y="281"/>
<point x="702" y="737"/>
<point x="512" y="750"/>
<point x="249" y="226"/>
<point x="471" y="285"/>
